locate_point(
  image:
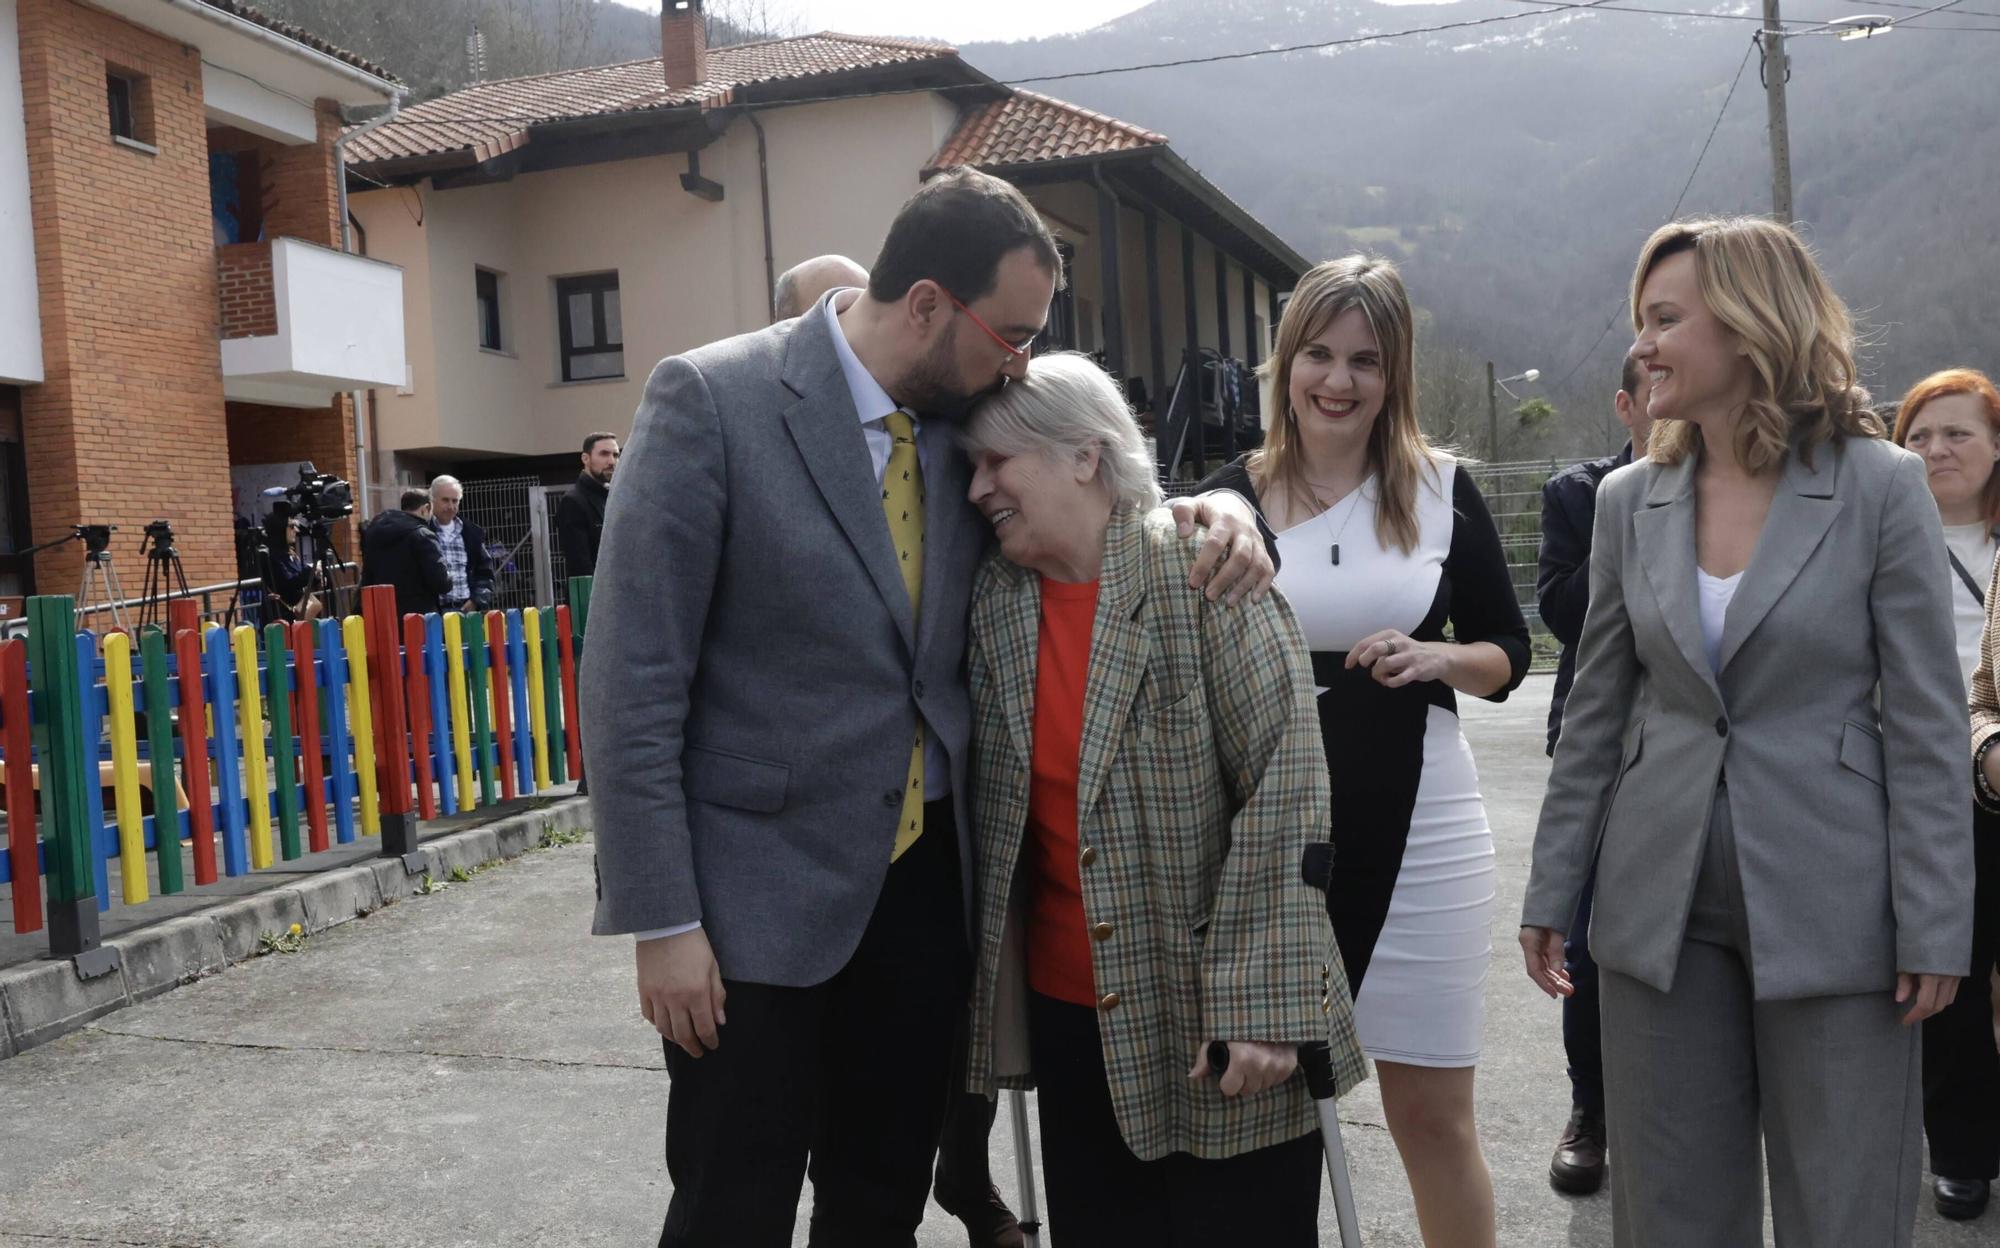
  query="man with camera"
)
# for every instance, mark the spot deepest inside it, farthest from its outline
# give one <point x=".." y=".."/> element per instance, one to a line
<point x="400" y="548"/>
<point x="463" y="544"/>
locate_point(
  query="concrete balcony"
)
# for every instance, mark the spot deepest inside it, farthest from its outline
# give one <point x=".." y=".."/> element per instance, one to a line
<point x="301" y="323"/>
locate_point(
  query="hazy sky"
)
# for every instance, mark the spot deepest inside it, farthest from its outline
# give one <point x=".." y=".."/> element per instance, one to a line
<point x="960" y="22"/>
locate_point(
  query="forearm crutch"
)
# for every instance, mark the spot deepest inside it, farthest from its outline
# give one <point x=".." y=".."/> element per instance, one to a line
<point x="1024" y="1167"/>
<point x="1316" y="1061"/>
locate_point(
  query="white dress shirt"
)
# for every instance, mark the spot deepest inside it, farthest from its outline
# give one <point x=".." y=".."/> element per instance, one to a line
<point x="872" y="405"/>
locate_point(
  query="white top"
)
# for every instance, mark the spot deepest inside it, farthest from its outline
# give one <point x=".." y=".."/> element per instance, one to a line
<point x="1716" y="591"/>
<point x="1374" y="586"/>
<point x="1973" y="545"/>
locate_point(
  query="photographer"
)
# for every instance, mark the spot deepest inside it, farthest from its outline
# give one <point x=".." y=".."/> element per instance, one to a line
<point x="400" y="548"/>
<point x="463" y="544"/>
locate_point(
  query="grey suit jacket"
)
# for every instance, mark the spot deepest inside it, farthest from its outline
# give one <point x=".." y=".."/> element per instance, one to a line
<point x="755" y="671"/>
<point x="1853" y="833"/>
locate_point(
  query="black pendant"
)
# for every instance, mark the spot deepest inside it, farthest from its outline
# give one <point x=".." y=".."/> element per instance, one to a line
<point x="1336" y="554"/>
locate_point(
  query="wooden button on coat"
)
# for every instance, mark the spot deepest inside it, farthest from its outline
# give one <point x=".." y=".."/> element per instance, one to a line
<point x="1100" y="931"/>
<point x="1108" y="1002"/>
<point x="1089" y="855"/>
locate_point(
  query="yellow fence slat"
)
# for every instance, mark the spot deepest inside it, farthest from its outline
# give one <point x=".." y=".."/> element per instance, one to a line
<point x="461" y="713"/>
<point x="361" y="723"/>
<point x="125" y="768"/>
<point x="250" y="727"/>
<point x="538" y="713"/>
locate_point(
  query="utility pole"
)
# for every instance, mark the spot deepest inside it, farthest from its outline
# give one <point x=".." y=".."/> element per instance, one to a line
<point x="1777" y="68"/>
<point x="1492" y="416"/>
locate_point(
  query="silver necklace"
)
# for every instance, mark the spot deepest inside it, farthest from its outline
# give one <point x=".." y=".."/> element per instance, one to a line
<point x="1353" y="501"/>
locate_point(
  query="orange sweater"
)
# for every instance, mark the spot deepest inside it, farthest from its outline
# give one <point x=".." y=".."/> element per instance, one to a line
<point x="1058" y="944"/>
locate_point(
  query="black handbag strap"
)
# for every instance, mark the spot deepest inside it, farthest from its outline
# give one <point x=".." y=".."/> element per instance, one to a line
<point x="1978" y="594"/>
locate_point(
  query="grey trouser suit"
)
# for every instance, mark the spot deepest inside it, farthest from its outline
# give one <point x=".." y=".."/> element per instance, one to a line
<point x="1775" y="838"/>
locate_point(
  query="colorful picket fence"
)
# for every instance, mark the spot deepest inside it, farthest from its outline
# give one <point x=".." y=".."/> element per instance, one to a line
<point x="248" y="747"/>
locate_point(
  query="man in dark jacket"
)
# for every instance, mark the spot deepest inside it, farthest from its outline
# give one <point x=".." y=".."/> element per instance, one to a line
<point x="1562" y="589"/>
<point x="463" y="544"/>
<point x="400" y="548"/>
<point x="580" y="514"/>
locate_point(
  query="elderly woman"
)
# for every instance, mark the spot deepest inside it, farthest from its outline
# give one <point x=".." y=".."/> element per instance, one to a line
<point x="1952" y="419"/>
<point x="1146" y="772"/>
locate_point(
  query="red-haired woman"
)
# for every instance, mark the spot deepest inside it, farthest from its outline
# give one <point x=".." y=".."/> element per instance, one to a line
<point x="1952" y="419"/>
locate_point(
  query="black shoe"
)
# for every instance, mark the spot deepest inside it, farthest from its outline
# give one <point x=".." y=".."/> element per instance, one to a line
<point x="989" y="1223"/>
<point x="1961" y="1199"/>
<point x="1578" y="1167"/>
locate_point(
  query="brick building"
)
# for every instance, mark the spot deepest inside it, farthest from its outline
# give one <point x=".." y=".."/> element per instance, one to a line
<point x="178" y="322"/>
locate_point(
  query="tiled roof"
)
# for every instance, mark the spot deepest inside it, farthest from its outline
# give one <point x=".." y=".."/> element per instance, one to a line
<point x="1027" y="128"/>
<point x="494" y="117"/>
<point x="299" y="35"/>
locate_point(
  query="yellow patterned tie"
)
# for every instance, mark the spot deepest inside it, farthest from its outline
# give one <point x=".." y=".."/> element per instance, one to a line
<point x="903" y="505"/>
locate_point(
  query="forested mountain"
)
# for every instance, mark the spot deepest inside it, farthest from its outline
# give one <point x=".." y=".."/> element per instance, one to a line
<point x="1512" y="168"/>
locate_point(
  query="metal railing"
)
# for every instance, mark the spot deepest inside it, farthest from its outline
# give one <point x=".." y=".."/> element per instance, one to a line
<point x="221" y="603"/>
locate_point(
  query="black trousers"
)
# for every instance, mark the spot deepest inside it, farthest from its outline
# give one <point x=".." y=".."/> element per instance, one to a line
<point x="845" y="1080"/>
<point x="1100" y="1194"/>
<point x="1583" y="1030"/>
<point x="1961" y="1063"/>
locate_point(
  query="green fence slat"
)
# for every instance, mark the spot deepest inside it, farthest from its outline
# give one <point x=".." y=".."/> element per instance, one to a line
<point x="579" y="605"/>
<point x="160" y="744"/>
<point x="58" y="731"/>
<point x="552" y="697"/>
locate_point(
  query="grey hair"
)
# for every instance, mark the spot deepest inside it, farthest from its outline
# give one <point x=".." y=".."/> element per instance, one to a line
<point x="1064" y="406"/>
<point x="446" y="479"/>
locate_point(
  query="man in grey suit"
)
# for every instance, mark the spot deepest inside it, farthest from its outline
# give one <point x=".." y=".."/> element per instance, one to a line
<point x="778" y="721"/>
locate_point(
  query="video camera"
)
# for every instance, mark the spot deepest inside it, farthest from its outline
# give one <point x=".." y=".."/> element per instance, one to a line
<point x="319" y="499"/>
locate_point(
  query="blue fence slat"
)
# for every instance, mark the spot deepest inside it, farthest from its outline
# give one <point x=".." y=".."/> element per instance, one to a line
<point x="443" y="765"/>
<point x="517" y="679"/>
<point x="339" y="749"/>
<point x="228" y="769"/>
<point x="90" y="713"/>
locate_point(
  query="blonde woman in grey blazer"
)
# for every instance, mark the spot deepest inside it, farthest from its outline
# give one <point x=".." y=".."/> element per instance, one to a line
<point x="1763" y="754"/>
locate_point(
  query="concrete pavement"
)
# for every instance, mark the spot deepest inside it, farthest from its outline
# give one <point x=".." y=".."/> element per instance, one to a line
<point x="468" y="1068"/>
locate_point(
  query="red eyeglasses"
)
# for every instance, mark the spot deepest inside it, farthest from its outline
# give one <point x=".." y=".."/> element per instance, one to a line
<point x="1018" y="353"/>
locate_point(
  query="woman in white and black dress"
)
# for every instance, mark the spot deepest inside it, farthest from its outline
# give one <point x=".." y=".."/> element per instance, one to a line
<point x="1384" y="542"/>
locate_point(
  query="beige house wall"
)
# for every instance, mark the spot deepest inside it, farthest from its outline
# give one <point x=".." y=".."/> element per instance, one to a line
<point x="690" y="271"/>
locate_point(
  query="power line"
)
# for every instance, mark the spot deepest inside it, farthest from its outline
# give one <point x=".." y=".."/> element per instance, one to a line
<point x="1544" y="8"/>
<point x="1958" y="13"/>
<point x="1675" y="211"/>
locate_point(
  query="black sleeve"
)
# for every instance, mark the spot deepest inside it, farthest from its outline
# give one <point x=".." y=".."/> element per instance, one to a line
<point x="1483" y="606"/>
<point x="1234" y="476"/>
<point x="289" y="576"/>
<point x="1562" y="583"/>
<point x="478" y="565"/>
<point x="573" y="527"/>
<point x="430" y="561"/>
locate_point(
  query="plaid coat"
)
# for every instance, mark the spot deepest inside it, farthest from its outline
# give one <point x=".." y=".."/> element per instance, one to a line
<point x="1201" y="781"/>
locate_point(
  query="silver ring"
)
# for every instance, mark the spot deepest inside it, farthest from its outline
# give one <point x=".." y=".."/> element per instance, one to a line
<point x="1389" y="646"/>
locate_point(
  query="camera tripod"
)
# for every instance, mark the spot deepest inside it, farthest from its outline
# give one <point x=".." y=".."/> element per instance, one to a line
<point x="165" y="577"/>
<point x="100" y="577"/>
<point x="325" y="567"/>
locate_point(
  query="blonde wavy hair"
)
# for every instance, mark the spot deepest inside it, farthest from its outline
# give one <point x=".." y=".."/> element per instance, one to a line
<point x="1397" y="449"/>
<point x="1760" y="280"/>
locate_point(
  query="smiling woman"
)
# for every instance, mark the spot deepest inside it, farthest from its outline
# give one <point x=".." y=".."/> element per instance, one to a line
<point x="1762" y="762"/>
